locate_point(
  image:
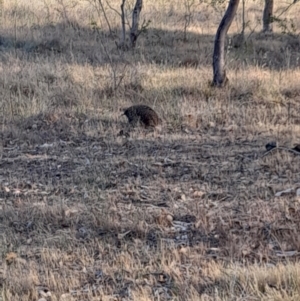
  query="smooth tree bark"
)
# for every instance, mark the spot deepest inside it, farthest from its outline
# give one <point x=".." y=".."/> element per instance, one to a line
<point x="134" y="32"/>
<point x="267" y="16"/>
<point x="220" y="78"/>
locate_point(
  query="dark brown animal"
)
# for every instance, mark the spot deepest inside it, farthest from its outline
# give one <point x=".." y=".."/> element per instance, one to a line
<point x="142" y="114"/>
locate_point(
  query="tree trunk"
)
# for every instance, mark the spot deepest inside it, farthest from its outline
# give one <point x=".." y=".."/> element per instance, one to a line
<point x="134" y="32"/>
<point x="220" y="78"/>
<point x="123" y="32"/>
<point x="267" y="16"/>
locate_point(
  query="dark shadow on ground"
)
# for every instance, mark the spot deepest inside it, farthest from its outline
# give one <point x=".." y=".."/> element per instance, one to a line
<point x="44" y="142"/>
<point x="82" y="45"/>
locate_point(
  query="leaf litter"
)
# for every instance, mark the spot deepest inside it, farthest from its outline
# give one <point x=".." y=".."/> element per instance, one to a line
<point x="82" y="205"/>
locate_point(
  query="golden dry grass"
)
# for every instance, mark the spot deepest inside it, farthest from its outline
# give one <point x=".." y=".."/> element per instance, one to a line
<point x="187" y="212"/>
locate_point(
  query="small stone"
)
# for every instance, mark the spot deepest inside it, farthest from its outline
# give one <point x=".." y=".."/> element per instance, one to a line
<point x="271" y="145"/>
<point x="297" y="148"/>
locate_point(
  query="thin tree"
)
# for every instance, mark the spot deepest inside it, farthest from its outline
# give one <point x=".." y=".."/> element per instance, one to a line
<point x="220" y="78"/>
<point x="267" y="16"/>
<point x="134" y="32"/>
<point x="123" y="32"/>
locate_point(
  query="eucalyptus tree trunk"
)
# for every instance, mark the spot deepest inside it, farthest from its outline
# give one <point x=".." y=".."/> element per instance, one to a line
<point x="220" y="78"/>
<point x="123" y="32"/>
<point x="134" y="32"/>
<point x="267" y="15"/>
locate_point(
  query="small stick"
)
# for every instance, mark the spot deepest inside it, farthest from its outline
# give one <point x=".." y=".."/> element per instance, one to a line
<point x="283" y="148"/>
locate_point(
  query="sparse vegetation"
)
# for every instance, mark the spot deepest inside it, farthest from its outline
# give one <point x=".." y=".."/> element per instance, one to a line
<point x="191" y="212"/>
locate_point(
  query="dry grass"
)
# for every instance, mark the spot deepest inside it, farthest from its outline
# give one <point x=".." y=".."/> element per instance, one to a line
<point x="187" y="212"/>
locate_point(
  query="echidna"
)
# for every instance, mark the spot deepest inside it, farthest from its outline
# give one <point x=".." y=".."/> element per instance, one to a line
<point x="143" y="114"/>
